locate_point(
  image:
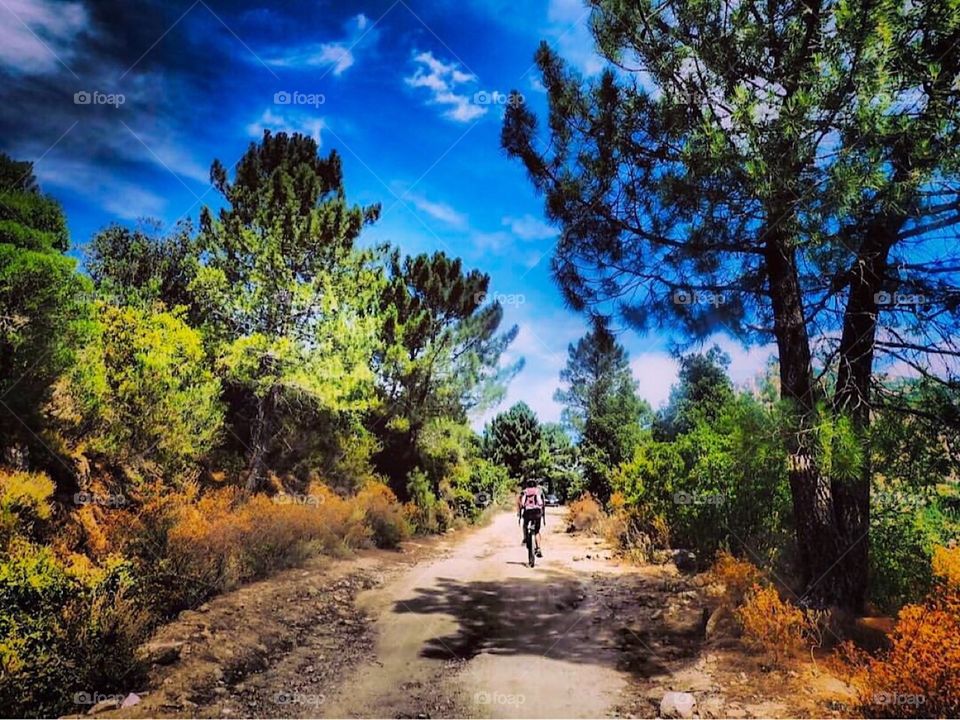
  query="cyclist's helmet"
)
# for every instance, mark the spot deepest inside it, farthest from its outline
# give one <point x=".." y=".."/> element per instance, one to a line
<point x="530" y="482"/>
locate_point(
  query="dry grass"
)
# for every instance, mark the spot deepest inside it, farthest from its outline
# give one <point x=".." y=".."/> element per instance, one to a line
<point x="585" y="514"/>
<point x="919" y="675"/>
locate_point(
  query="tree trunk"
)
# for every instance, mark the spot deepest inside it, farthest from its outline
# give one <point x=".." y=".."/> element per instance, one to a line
<point x="820" y="543"/>
<point x="852" y="397"/>
<point x="260" y="431"/>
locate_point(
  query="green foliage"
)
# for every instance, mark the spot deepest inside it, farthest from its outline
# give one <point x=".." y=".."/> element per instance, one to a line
<point x="721" y="483"/>
<point x="24" y="504"/>
<point x="914" y="505"/>
<point x="43" y="308"/>
<point x="62" y="633"/>
<point x="905" y="527"/>
<point x="439" y="355"/>
<point x="700" y="394"/>
<point x="601" y="406"/>
<point x="562" y="472"/>
<point x="144" y="392"/>
<point x="515" y="441"/>
<point x="142" y="266"/>
<point x="285" y="294"/>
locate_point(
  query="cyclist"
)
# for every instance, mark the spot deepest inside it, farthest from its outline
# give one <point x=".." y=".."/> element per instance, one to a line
<point x="531" y="506"/>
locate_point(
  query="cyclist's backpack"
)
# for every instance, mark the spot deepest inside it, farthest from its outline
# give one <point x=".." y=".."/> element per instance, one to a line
<point x="532" y="498"/>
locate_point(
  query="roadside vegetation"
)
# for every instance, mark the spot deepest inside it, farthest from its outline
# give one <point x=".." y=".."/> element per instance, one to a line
<point x="195" y="407"/>
<point x="202" y="407"/>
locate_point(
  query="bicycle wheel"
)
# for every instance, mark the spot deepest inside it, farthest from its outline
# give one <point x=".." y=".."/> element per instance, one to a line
<point x="531" y="556"/>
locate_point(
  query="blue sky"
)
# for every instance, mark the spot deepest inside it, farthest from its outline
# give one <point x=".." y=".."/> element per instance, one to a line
<point x="409" y="93"/>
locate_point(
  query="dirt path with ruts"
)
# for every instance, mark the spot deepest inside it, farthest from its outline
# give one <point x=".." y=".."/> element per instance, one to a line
<point x="459" y="626"/>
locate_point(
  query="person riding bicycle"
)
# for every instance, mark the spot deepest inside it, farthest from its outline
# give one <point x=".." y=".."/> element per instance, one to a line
<point x="531" y="507"/>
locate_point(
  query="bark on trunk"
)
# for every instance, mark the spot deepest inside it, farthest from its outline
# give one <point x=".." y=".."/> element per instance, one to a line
<point x="260" y="434"/>
<point x="819" y="542"/>
<point x="852" y="399"/>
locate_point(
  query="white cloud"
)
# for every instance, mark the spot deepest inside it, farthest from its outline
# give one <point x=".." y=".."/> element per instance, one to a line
<point x="287" y="122"/>
<point x="337" y="55"/>
<point x="35" y="33"/>
<point x="655" y="373"/>
<point x="491" y="241"/>
<point x="542" y="342"/>
<point x="570" y="31"/>
<point x="159" y="147"/>
<point x="443" y="81"/>
<point x="126" y="200"/>
<point x="438" y="210"/>
<point x="529" y="227"/>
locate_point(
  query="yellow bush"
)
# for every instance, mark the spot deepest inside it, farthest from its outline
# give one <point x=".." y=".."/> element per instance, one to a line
<point x="24" y="499"/>
<point x="772" y="624"/>
<point x="736" y="576"/>
<point x="946" y="565"/>
<point x="585" y="513"/>
<point x="919" y="675"/>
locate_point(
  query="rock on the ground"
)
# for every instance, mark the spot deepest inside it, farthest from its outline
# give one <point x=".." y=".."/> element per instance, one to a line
<point x="104" y="705"/>
<point x="161" y="653"/>
<point x="711" y="707"/>
<point x="130" y="700"/>
<point x="721" y="624"/>
<point x="677" y="705"/>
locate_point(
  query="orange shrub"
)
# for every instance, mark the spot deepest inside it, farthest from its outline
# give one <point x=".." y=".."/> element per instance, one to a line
<point x="584" y="513"/>
<point x="383" y="514"/>
<point x="192" y="549"/>
<point x="736" y="576"/>
<point x="773" y="624"/>
<point x="919" y="675"/>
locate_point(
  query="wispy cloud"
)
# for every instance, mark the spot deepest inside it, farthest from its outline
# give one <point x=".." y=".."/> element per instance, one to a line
<point x="124" y="199"/>
<point x="288" y="121"/>
<point x="529" y="227"/>
<point x="569" y="31"/>
<point x="444" y="81"/>
<point x="36" y="35"/>
<point x="438" y="210"/>
<point x="338" y="55"/>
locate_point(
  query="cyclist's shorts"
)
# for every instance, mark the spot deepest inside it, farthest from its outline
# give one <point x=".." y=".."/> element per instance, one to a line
<point x="535" y="514"/>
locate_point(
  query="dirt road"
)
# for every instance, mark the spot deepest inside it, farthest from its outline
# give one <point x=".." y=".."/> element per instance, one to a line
<point x="459" y="626"/>
<point x="477" y="633"/>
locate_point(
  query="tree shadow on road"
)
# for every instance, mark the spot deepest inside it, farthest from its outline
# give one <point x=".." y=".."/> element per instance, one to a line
<point x="547" y="615"/>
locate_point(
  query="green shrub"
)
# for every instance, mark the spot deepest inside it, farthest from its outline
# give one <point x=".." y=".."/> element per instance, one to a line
<point x="62" y="632"/>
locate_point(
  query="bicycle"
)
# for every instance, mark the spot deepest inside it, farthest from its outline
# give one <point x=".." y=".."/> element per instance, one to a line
<point x="529" y="532"/>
